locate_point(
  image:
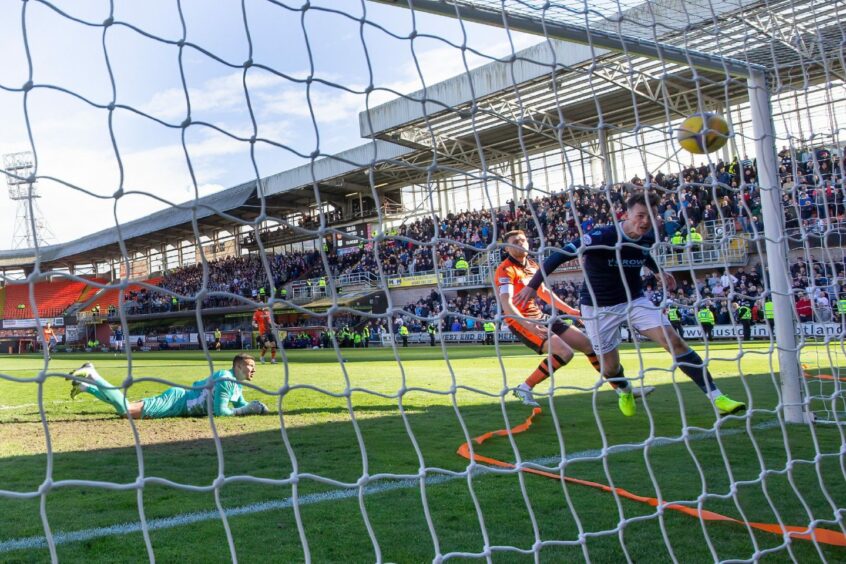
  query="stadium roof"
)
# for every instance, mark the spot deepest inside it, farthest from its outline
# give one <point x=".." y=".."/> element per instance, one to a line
<point x="336" y="176"/>
<point x="557" y="94"/>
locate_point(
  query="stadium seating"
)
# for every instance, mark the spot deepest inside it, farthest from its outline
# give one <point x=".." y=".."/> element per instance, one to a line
<point x="110" y="297"/>
<point x="53" y="298"/>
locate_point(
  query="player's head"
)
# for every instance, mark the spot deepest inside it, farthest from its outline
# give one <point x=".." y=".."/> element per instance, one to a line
<point x="49" y="325"/>
<point x="640" y="209"/>
<point x="518" y="244"/>
<point x="243" y="366"/>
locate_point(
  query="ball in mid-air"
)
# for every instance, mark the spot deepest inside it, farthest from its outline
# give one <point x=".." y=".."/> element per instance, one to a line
<point x="703" y="133"/>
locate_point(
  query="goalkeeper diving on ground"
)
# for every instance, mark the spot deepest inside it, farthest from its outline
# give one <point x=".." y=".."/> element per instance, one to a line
<point x="224" y="387"/>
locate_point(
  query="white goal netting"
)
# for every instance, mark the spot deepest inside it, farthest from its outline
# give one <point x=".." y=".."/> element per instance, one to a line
<point x="354" y="168"/>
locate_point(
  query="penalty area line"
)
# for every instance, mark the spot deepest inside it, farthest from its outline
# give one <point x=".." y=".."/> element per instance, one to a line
<point x="62" y="537"/>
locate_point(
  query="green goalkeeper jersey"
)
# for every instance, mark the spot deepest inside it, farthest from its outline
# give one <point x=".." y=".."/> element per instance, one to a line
<point x="176" y="402"/>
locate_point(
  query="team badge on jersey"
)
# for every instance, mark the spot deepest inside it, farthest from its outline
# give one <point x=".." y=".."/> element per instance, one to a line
<point x="586" y="239"/>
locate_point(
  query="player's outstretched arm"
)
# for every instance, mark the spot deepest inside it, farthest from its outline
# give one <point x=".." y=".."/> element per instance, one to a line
<point x="549" y="266"/>
<point x="549" y="297"/>
<point x="512" y="312"/>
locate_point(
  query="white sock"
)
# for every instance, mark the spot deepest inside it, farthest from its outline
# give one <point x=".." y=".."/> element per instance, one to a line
<point x="714" y="394"/>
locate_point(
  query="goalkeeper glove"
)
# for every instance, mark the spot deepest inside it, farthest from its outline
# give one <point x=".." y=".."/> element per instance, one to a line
<point x="255" y="407"/>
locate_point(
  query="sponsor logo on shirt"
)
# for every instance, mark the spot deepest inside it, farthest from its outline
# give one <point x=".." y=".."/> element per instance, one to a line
<point x="627" y="263"/>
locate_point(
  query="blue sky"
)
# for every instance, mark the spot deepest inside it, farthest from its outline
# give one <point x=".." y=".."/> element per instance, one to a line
<point x="73" y="139"/>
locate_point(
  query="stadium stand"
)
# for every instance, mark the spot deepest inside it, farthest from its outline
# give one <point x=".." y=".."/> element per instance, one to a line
<point x="109" y="298"/>
<point x="53" y="298"/>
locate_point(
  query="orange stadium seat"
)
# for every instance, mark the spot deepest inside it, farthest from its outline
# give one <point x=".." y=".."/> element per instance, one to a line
<point x="52" y="298"/>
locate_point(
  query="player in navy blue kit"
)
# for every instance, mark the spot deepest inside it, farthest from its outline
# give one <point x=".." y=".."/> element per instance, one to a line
<point x="613" y="293"/>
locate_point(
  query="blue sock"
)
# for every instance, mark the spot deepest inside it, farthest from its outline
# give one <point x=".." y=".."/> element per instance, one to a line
<point x="694" y="367"/>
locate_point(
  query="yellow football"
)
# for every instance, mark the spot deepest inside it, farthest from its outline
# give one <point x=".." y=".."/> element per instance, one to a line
<point x="703" y="133"/>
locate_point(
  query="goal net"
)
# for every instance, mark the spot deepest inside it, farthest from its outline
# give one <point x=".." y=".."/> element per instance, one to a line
<point x="354" y="169"/>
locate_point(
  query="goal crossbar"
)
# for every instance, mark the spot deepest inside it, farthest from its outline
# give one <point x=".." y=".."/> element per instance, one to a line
<point x="548" y="27"/>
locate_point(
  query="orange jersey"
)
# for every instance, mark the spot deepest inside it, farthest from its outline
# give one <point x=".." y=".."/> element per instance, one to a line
<point x="511" y="277"/>
<point x="47" y="333"/>
<point x="262" y="320"/>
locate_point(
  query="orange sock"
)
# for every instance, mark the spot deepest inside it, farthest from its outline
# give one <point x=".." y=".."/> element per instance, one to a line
<point x="272" y="354"/>
<point x="541" y="373"/>
<point x="594" y="361"/>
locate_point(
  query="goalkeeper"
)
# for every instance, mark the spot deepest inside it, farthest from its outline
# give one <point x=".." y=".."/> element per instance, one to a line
<point x="612" y="263"/>
<point x="224" y="386"/>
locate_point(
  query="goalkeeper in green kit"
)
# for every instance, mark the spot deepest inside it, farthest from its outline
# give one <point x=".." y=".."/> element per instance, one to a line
<point x="224" y="386"/>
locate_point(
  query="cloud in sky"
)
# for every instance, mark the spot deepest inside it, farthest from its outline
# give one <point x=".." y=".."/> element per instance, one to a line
<point x="76" y="142"/>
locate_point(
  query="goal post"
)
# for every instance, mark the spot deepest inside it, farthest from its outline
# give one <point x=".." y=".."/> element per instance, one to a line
<point x="794" y="409"/>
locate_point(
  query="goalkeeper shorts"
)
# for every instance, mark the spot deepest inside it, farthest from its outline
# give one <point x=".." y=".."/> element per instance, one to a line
<point x="170" y="403"/>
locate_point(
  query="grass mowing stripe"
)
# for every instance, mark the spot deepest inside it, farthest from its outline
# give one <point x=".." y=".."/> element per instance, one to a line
<point x="60" y="537"/>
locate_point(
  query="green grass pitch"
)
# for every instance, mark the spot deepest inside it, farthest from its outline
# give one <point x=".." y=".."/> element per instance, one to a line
<point x="363" y="427"/>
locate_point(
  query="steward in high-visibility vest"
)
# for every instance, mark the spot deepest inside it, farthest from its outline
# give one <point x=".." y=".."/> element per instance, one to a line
<point x="356" y="339"/>
<point x="403" y="331"/>
<point x="769" y="315"/>
<point x="841" y="308"/>
<point x="431" y="330"/>
<point x="365" y="336"/>
<point x="675" y="318"/>
<point x="693" y="237"/>
<point x="744" y="315"/>
<point x="706" y="319"/>
<point x="490" y="329"/>
<point x="677" y="240"/>
<point x="461" y="264"/>
<point x="769" y="310"/>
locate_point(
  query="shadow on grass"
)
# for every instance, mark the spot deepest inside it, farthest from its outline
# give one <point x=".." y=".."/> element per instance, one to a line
<point x="324" y="443"/>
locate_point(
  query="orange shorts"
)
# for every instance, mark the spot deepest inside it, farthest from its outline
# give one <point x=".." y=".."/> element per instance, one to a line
<point x="529" y="338"/>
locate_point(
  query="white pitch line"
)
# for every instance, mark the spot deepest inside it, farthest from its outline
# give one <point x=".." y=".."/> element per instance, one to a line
<point x="28" y="405"/>
<point x="61" y="537"/>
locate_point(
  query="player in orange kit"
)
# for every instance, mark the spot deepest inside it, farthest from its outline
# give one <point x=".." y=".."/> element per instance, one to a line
<point x="533" y="328"/>
<point x="267" y="340"/>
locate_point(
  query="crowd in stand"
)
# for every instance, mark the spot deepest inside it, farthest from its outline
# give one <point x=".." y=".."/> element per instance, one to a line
<point x="813" y="195"/>
<point x="817" y="287"/>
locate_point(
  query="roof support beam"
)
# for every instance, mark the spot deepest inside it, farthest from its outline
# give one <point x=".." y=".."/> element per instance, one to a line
<point x="474" y="12"/>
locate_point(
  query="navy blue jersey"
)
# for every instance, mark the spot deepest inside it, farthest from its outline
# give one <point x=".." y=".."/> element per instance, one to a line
<point x="602" y="266"/>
